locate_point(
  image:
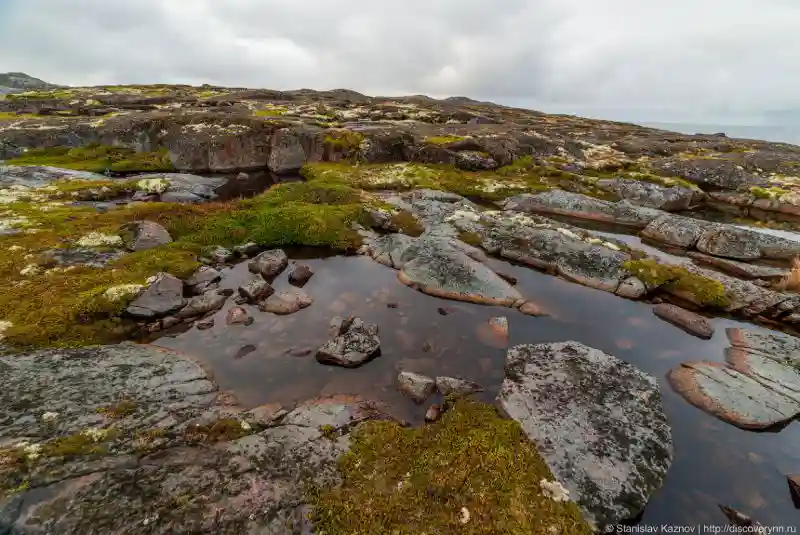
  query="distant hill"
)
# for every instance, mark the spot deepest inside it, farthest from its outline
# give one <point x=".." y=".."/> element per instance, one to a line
<point x="16" y="82"/>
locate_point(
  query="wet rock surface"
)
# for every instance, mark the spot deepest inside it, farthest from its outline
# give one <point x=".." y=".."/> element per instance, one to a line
<point x="354" y="343"/>
<point x="163" y="296"/>
<point x="134" y="417"/>
<point x="685" y="319"/>
<point x="597" y="421"/>
<point x="758" y="388"/>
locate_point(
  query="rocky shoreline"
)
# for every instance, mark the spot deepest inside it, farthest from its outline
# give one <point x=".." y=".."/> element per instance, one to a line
<point x="116" y="222"/>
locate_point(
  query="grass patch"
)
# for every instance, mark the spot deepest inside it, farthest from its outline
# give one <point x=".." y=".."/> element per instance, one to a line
<point x="702" y="290"/>
<point x="97" y="159"/>
<point x="443" y="140"/>
<point x="344" y="142"/>
<point x="417" y="480"/>
<point x="57" y="307"/>
<point x="43" y="95"/>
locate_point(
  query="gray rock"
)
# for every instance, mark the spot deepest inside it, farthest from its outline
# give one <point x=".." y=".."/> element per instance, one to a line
<point x="649" y="194"/>
<point x="677" y="231"/>
<point x="475" y="161"/>
<point x="203" y="279"/>
<point x="221" y="255"/>
<point x="416" y="386"/>
<point x="162" y="297"/>
<point x="238" y="316"/>
<point x="256" y="290"/>
<point x="453" y="385"/>
<point x="142" y="235"/>
<point x="721" y="173"/>
<point x="287" y="153"/>
<point x="210" y="301"/>
<point x="247" y="250"/>
<point x="287" y="302"/>
<point x="163" y="444"/>
<point x="356" y="343"/>
<point x="37" y="176"/>
<point x="688" y="321"/>
<point x="299" y="274"/>
<point x="742" y="270"/>
<point x="730" y="242"/>
<point x="597" y="421"/>
<point x="181" y="197"/>
<point x="269" y="263"/>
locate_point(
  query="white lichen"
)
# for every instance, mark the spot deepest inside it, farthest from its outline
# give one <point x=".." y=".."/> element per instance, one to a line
<point x="464" y="515"/>
<point x="98" y="239"/>
<point x="49" y="416"/>
<point x="95" y="434"/>
<point x="568" y="233"/>
<point x="32" y="451"/>
<point x="245" y="426"/>
<point x="30" y="270"/>
<point x="4" y="326"/>
<point x="153" y="185"/>
<point x="118" y="293"/>
<point x="554" y="490"/>
<point x="460" y="215"/>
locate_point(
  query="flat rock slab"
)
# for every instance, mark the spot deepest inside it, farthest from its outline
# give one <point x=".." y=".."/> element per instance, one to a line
<point x="649" y="194"/>
<point x="171" y="459"/>
<point x="743" y="270"/>
<point x="598" y="422"/>
<point x="288" y="302"/>
<point x="732" y="396"/>
<point x="36" y="176"/>
<point x="685" y="319"/>
<point x="162" y="296"/>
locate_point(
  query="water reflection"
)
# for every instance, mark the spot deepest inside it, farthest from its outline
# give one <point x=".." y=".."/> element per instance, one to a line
<point x="272" y="361"/>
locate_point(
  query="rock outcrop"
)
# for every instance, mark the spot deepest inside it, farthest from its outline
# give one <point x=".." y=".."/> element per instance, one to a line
<point x="597" y="421"/>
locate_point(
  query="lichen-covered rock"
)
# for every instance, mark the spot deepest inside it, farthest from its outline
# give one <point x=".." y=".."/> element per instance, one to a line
<point x="203" y="279"/>
<point x="416" y="386"/>
<point x="649" y="194"/>
<point x="82" y="427"/>
<point x="256" y="290"/>
<point x="37" y="176"/>
<point x="565" y="203"/>
<point x="287" y="153"/>
<point x="142" y="235"/>
<point x="287" y="302"/>
<point x="356" y="343"/>
<point x="688" y="321"/>
<point x="269" y="263"/>
<point x="454" y="385"/>
<point x="742" y="270"/>
<point x="720" y="173"/>
<point x="597" y="421"/>
<point x="677" y="231"/>
<point x="163" y="296"/>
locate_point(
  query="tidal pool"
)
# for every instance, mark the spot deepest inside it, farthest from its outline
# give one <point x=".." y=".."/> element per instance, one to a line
<point x="272" y="361"/>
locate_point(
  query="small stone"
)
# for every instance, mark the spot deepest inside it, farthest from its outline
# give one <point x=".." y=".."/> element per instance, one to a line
<point x="205" y="324"/>
<point x="508" y="278"/>
<point x="244" y="351"/>
<point x="299" y="274"/>
<point x="269" y="263"/>
<point x="142" y="235"/>
<point x="203" y="304"/>
<point x="204" y="276"/>
<point x="98" y="239"/>
<point x="416" y="386"/>
<point x="288" y="302"/>
<point x="452" y="385"/>
<point x="154" y="327"/>
<point x="794" y="489"/>
<point x="688" y="321"/>
<point x="529" y="308"/>
<point x="444" y="311"/>
<point x="170" y="321"/>
<point x="300" y="351"/>
<point x="221" y="255"/>
<point x="433" y="413"/>
<point x="391" y="305"/>
<point x="237" y="316"/>
<point x="247" y="250"/>
<point x="242" y="176"/>
<point x="256" y="290"/>
<point x="737" y="518"/>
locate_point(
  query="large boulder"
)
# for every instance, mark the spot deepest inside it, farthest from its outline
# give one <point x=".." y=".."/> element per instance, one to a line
<point x="125" y="438"/>
<point x="597" y="421"/>
<point x="725" y="174"/>
<point x="287" y="153"/>
<point x="142" y="235"/>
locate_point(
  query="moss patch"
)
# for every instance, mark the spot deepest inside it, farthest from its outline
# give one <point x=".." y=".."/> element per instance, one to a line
<point x="411" y="481"/>
<point x="97" y="159"/>
<point x="443" y="140"/>
<point x="6" y="116"/>
<point x="223" y="429"/>
<point x="407" y="223"/>
<point x="704" y="291"/>
<point x="470" y="238"/>
<point x="344" y="142"/>
<point x="768" y="193"/>
<point x="270" y="112"/>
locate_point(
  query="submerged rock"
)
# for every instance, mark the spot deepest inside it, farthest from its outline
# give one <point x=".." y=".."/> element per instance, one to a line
<point x="163" y="296"/>
<point x="269" y="263"/>
<point x="688" y="321"/>
<point x="142" y="235"/>
<point x="757" y="389"/>
<point x="256" y="290"/>
<point x="138" y="416"/>
<point x="416" y="386"/>
<point x="287" y="302"/>
<point x="597" y="421"/>
<point x="356" y="343"/>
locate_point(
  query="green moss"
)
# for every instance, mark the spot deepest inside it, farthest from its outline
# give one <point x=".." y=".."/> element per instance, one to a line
<point x="470" y="238"/>
<point x="271" y="112"/>
<point x="328" y="431"/>
<point x="768" y="193"/>
<point x="405" y="222"/>
<point x="121" y="409"/>
<point x="87" y="442"/>
<point x="43" y="95"/>
<point x="226" y="429"/>
<point x="6" y="116"/>
<point x="344" y="142"/>
<point x="443" y="140"/>
<point x="97" y="159"/>
<point x="702" y="290"/>
<point x="411" y="481"/>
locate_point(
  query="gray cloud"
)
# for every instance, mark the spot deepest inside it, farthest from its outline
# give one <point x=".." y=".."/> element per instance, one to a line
<point x="683" y="59"/>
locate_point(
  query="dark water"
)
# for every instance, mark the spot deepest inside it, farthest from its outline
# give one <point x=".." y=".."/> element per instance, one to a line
<point x="714" y="462"/>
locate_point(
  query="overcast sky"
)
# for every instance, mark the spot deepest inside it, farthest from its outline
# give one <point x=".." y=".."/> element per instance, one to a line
<point x="660" y="60"/>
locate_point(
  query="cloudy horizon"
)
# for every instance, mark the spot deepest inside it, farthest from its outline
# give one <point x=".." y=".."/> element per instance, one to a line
<point x="719" y="61"/>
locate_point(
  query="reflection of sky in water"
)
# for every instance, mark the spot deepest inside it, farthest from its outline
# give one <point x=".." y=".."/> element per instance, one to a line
<point x="714" y="462"/>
